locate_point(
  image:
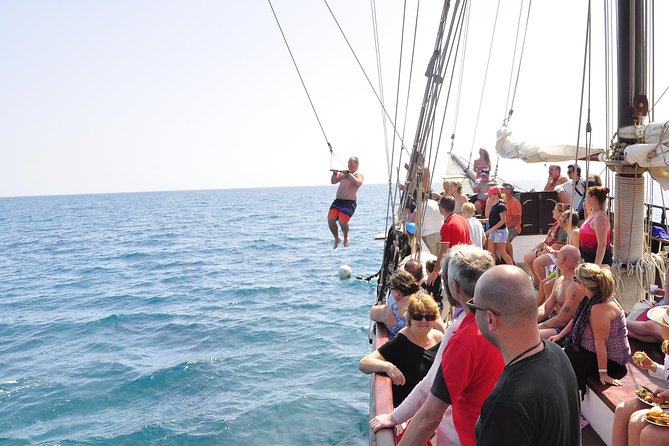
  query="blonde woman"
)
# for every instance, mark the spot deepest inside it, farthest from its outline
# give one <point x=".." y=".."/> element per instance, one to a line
<point x="455" y="190"/>
<point x="597" y="335"/>
<point x="408" y="357"/>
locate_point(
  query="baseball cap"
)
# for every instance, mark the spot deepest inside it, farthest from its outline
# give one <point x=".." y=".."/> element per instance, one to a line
<point x="493" y="190"/>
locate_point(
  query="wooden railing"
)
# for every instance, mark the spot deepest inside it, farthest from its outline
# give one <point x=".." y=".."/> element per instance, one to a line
<point x="381" y="397"/>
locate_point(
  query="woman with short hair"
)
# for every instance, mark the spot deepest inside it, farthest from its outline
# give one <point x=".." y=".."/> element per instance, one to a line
<point x="402" y="286"/>
<point x="408" y="357"/>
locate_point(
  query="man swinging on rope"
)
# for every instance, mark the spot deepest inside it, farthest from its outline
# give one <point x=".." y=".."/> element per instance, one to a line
<point x="343" y="207"/>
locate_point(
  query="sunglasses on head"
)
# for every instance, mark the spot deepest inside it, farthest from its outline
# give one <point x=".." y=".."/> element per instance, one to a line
<point x="473" y="307"/>
<point x="420" y="317"/>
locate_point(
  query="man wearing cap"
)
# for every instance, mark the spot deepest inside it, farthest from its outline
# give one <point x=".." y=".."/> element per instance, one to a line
<point x="495" y="212"/>
<point x="514" y="216"/>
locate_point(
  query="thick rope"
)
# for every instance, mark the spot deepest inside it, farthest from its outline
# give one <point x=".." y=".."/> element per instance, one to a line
<point x="302" y="80"/>
<point x="364" y="73"/>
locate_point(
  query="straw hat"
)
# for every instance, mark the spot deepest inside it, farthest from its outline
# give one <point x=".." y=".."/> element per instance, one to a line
<point x="660" y="315"/>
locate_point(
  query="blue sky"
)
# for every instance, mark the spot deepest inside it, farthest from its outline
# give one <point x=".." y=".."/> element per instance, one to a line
<point x="148" y="95"/>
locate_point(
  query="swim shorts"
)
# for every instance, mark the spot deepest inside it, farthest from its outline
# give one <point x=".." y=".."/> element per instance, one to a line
<point x="342" y="210"/>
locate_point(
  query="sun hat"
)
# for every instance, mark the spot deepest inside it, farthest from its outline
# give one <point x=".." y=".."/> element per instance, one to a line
<point x="493" y="190"/>
<point x="508" y="186"/>
<point x="660" y="315"/>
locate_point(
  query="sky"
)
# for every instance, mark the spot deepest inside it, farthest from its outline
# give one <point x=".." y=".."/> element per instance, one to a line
<point x="123" y="96"/>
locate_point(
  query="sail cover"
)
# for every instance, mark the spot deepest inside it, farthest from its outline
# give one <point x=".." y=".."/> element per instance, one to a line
<point x="509" y="147"/>
<point x="653" y="151"/>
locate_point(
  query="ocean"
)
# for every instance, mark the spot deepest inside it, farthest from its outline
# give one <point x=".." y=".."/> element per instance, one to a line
<point x="177" y="318"/>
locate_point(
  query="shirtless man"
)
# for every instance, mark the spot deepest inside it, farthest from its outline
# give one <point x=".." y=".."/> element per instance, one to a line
<point x="561" y="305"/>
<point x="554" y="177"/>
<point x="343" y="207"/>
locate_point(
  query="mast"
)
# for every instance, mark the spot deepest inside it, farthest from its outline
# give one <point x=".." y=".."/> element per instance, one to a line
<point x="629" y="210"/>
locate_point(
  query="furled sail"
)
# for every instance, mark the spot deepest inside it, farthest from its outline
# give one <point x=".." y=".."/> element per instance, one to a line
<point x="652" y="152"/>
<point x="508" y="147"/>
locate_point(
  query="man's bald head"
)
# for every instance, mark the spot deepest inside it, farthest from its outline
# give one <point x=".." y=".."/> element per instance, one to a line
<point x="508" y="290"/>
<point x="568" y="256"/>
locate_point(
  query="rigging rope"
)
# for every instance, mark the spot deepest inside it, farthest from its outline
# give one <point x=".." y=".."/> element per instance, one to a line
<point x="302" y="80"/>
<point x="485" y="79"/>
<point x="509" y="107"/>
<point x="364" y="72"/>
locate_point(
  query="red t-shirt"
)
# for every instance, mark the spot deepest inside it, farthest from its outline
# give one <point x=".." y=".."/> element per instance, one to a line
<point x="470" y="367"/>
<point x="455" y="231"/>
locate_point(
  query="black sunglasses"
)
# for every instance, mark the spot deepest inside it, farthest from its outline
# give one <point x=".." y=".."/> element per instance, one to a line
<point x="420" y="317"/>
<point x="476" y="307"/>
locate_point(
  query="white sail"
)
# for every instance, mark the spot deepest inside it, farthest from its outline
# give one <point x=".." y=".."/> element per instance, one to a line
<point x="508" y="147"/>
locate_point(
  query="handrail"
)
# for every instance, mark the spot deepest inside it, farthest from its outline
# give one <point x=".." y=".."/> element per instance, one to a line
<point x="381" y="400"/>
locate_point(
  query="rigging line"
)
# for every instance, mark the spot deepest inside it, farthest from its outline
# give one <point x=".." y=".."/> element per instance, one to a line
<point x="399" y="72"/>
<point x="301" y="80"/>
<point x="607" y="72"/>
<point x="462" y="70"/>
<point x="397" y="101"/>
<point x="520" y="62"/>
<point x="485" y="79"/>
<point x="364" y="73"/>
<point x="454" y="52"/>
<point x="406" y="106"/>
<point x="442" y="66"/>
<point x="513" y="59"/>
<point x="379" y="75"/>
<point x="585" y="63"/>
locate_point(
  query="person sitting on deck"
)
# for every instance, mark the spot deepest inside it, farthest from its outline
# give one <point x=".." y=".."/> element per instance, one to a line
<point x="407" y="358"/>
<point x="481" y="190"/>
<point x="402" y="285"/>
<point x="565" y="297"/>
<point x="482" y="163"/>
<point x="520" y="410"/>
<point x="555" y="237"/>
<point x="568" y="222"/>
<point x="343" y="207"/>
<point x="555" y="177"/>
<point x="435" y="289"/>
<point x="497" y="233"/>
<point x="476" y="231"/>
<point x="644" y="329"/>
<point x="597" y="342"/>
<point x="629" y="425"/>
<point x="470" y="364"/>
<point x="446" y="433"/>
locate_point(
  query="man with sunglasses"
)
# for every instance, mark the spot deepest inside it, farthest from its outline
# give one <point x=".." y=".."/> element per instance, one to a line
<point x="470" y="365"/>
<point x="535" y="400"/>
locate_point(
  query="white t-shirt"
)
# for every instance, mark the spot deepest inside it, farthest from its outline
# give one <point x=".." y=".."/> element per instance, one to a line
<point x="432" y="220"/>
<point x="475" y="231"/>
<point x="574" y="197"/>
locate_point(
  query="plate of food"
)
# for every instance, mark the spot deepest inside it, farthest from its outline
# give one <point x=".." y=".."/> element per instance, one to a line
<point x="658" y="417"/>
<point x="646" y="396"/>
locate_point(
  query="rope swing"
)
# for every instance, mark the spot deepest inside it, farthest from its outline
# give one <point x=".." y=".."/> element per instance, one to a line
<point x="332" y="155"/>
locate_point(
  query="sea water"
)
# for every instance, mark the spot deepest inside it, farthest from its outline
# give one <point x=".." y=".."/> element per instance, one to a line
<point x="179" y="318"/>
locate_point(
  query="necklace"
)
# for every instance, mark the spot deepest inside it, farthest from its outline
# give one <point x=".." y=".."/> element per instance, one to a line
<point x="523" y="353"/>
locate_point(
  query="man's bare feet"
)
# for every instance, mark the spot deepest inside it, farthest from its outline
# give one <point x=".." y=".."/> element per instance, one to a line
<point x="346" y="242"/>
<point x="337" y="240"/>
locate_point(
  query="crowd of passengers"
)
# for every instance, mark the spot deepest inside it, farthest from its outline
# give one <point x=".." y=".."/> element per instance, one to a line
<point x="511" y="367"/>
